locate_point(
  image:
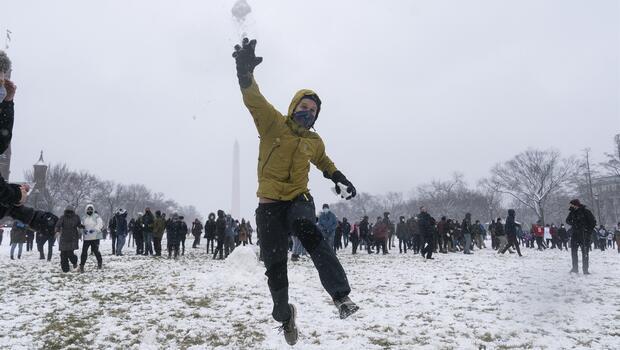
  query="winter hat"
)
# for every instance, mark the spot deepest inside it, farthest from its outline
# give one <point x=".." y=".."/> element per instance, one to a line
<point x="90" y="206"/>
<point x="575" y="202"/>
<point x="69" y="208"/>
<point x="326" y="206"/>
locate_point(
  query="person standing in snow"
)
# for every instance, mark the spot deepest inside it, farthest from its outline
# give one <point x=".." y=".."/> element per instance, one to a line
<point x="138" y="234"/>
<point x="159" y="226"/>
<point x="220" y="234"/>
<point x="466" y="229"/>
<point x="67" y="229"/>
<point x="173" y="235"/>
<point x="147" y="234"/>
<point x="582" y="223"/>
<point x="287" y="147"/>
<point x="403" y="234"/>
<point x="18" y="238"/>
<point x="45" y="236"/>
<point x="210" y="232"/>
<point x="511" y="233"/>
<point x="112" y="230"/>
<point x="91" y="236"/>
<point x="196" y="232"/>
<point x="327" y="224"/>
<point x="121" y="229"/>
<point x="380" y="233"/>
<point x="425" y="226"/>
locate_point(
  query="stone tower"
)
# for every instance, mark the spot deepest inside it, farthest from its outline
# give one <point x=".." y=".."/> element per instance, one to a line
<point x="40" y="175"/>
<point x="236" y="187"/>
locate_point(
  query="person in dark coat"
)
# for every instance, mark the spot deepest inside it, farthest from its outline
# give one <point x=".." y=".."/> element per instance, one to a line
<point x="210" y="232"/>
<point x="138" y="234"/>
<point x="511" y="233"/>
<point x="582" y="223"/>
<point x="121" y="230"/>
<point x="68" y="228"/>
<point x="563" y="237"/>
<point x="426" y="227"/>
<point x="220" y="234"/>
<point x="365" y="233"/>
<point x="148" y="219"/>
<point x="42" y="237"/>
<point x="403" y="234"/>
<point x="173" y="235"/>
<point x="182" y="232"/>
<point x="346" y="230"/>
<point x="112" y="230"/>
<point x="159" y="226"/>
<point x="18" y="238"/>
<point x="196" y="232"/>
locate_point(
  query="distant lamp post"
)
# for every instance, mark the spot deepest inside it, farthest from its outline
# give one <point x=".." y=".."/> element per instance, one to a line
<point x="598" y="208"/>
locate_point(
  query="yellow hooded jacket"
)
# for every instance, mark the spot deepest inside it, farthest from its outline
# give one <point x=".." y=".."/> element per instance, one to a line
<point x="286" y="148"/>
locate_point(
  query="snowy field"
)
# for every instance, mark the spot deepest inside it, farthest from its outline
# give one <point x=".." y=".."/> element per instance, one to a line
<point x="453" y="302"/>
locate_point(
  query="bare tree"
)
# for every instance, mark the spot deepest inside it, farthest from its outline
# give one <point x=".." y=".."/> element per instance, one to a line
<point x="612" y="164"/>
<point x="532" y="176"/>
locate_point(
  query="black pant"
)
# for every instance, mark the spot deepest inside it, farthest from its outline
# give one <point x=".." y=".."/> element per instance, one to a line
<point x="113" y="236"/>
<point x="157" y="245"/>
<point x="94" y="247"/>
<point x="196" y="241"/>
<point x="578" y="240"/>
<point x="219" y="249"/>
<point x="173" y="247"/>
<point x="65" y="257"/>
<point x="402" y="244"/>
<point x="29" y="241"/>
<point x="182" y="241"/>
<point x="50" y="244"/>
<point x="417" y="242"/>
<point x="427" y="247"/>
<point x="211" y="243"/>
<point x="274" y="221"/>
<point x="382" y="244"/>
<point x="512" y="241"/>
<point x="355" y="243"/>
<point x="540" y="243"/>
<point x="139" y="244"/>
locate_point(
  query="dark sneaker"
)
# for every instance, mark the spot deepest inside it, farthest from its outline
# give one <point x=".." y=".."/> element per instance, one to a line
<point x="574" y="271"/>
<point x="346" y="307"/>
<point x="289" y="328"/>
<point x="586" y="273"/>
<point x="81" y="268"/>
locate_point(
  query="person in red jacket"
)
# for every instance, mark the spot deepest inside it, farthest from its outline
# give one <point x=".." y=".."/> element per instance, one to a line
<point x="380" y="232"/>
<point x="539" y="233"/>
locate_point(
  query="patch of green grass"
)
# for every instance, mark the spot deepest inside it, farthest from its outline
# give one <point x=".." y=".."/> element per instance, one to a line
<point x="203" y="302"/>
<point x="382" y="342"/>
<point x="66" y="332"/>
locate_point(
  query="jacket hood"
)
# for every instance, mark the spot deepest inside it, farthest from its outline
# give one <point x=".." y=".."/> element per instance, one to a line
<point x="511" y="212"/>
<point x="90" y="206"/>
<point x="299" y="96"/>
<point x="69" y="209"/>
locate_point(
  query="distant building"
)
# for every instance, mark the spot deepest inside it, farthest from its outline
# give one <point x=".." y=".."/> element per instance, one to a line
<point x="606" y="204"/>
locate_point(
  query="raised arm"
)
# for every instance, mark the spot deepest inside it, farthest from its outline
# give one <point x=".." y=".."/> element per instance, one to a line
<point x="262" y="111"/>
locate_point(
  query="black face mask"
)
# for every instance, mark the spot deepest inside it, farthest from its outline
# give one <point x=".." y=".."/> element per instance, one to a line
<point x="89" y="212"/>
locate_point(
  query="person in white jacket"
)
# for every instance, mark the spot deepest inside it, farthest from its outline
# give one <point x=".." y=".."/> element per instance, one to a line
<point x="93" y="224"/>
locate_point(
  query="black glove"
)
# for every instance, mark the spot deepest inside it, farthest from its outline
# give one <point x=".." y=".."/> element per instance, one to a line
<point x="246" y="61"/>
<point x="338" y="177"/>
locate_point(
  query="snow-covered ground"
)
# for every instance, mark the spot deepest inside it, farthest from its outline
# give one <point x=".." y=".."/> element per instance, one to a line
<point x="454" y="302"/>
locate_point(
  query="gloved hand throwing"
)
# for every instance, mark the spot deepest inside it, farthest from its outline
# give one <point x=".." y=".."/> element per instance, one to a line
<point x="339" y="178"/>
<point x="246" y="61"/>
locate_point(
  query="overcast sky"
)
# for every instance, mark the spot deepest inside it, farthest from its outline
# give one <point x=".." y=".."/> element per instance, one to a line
<point x="411" y="90"/>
